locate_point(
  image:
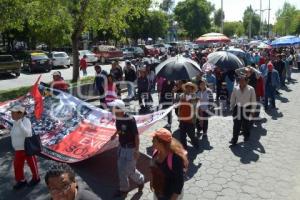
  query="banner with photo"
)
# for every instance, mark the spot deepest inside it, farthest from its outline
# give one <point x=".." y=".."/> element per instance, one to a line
<point x="72" y="130"/>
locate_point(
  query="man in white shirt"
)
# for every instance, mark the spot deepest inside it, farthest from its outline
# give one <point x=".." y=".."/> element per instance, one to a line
<point x="243" y="104"/>
<point x="20" y="130"/>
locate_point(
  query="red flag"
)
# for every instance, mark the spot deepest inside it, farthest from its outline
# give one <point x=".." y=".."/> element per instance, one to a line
<point x="38" y="99"/>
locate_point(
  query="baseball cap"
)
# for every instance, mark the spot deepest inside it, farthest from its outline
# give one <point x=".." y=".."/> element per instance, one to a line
<point x="117" y="103"/>
<point x="18" y="108"/>
<point x="127" y="62"/>
<point x="163" y="134"/>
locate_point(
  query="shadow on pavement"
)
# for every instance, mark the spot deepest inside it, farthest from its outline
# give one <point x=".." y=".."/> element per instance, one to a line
<point x="101" y="175"/>
<point x="282" y="99"/>
<point x="7" y="76"/>
<point x="246" y="150"/>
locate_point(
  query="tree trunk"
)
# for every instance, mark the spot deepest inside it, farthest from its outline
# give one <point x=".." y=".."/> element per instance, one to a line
<point x="75" y="45"/>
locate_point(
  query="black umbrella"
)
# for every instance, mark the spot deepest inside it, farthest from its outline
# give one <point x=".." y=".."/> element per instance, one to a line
<point x="226" y="61"/>
<point x="178" y="68"/>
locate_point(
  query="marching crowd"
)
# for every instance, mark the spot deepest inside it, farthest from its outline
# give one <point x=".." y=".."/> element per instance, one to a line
<point x="241" y="91"/>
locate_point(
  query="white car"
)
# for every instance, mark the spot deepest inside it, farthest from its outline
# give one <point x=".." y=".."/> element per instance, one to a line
<point x="91" y="57"/>
<point x="60" y="59"/>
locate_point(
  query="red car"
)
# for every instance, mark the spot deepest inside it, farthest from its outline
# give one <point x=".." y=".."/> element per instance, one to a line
<point x="150" y="50"/>
<point x="106" y="53"/>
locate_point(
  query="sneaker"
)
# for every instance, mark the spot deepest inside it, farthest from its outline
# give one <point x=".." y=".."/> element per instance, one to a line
<point x="198" y="134"/>
<point x="120" y="194"/>
<point x="20" y="185"/>
<point x="34" y="182"/>
<point x="141" y="187"/>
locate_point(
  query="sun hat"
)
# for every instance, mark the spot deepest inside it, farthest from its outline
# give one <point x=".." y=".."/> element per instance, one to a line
<point x="163" y="134"/>
<point x="56" y="73"/>
<point x="189" y="84"/>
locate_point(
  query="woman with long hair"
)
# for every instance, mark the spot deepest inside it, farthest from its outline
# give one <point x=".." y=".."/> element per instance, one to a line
<point x="111" y="90"/>
<point x="168" y="166"/>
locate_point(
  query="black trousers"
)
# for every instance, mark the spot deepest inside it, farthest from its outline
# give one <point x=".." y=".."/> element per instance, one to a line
<point x="187" y="129"/>
<point x="240" y="121"/>
<point x="144" y="96"/>
<point x="202" y="122"/>
<point x="170" y="113"/>
<point x="102" y="99"/>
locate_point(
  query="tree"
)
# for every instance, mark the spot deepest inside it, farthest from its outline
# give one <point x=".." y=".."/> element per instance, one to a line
<point x="152" y="24"/>
<point x="218" y="17"/>
<point x="251" y="21"/>
<point x="233" y="28"/>
<point x="287" y="20"/>
<point x="193" y="16"/>
<point x="166" y="5"/>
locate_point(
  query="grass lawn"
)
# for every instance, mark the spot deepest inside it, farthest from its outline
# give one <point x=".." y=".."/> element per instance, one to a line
<point x="6" y="95"/>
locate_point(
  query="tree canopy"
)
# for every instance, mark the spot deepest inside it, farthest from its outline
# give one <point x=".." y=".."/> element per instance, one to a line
<point x="287" y="20"/>
<point x="251" y="20"/>
<point x="194" y="16"/>
<point x="233" y="28"/>
<point x="218" y="17"/>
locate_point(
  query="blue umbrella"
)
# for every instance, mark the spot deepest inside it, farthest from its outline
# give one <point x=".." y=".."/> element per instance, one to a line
<point x="286" y="41"/>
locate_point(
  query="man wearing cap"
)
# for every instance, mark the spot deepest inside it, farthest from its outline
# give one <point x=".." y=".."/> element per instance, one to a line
<point x="128" y="152"/>
<point x="186" y="114"/>
<point x="130" y="77"/>
<point x="243" y="104"/>
<point x="20" y="130"/>
<point x="117" y="74"/>
<point x="58" y="82"/>
<point x="272" y="82"/>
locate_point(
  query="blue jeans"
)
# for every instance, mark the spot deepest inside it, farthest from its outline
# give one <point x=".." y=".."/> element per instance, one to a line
<point x="270" y="94"/>
<point x="127" y="168"/>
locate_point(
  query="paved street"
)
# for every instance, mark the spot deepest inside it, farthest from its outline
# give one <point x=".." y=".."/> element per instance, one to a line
<point x="9" y="81"/>
<point x="267" y="167"/>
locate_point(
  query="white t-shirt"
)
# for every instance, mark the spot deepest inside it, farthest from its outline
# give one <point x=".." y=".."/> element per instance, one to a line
<point x="20" y="130"/>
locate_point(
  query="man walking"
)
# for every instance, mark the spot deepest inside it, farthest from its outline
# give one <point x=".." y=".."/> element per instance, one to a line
<point x="128" y="152"/>
<point x="83" y="65"/>
<point x="272" y="82"/>
<point x="130" y="77"/>
<point x="243" y="104"/>
<point x="99" y="84"/>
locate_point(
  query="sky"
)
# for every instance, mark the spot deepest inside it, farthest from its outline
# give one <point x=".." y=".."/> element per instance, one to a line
<point x="234" y="9"/>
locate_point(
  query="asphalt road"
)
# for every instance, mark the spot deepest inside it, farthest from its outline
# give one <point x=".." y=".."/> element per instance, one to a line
<point x="25" y="79"/>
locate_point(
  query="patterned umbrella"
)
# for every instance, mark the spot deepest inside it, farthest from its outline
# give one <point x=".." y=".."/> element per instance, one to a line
<point x="212" y="38"/>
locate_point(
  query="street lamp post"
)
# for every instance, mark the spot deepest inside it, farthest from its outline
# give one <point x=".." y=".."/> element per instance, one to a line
<point x="222" y="17"/>
<point x="104" y="33"/>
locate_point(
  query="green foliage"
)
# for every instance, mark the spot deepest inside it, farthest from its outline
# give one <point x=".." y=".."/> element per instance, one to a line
<point x="218" y="16"/>
<point x="251" y="19"/>
<point x="152" y="24"/>
<point x="287" y="20"/>
<point x="232" y="28"/>
<point x="193" y="16"/>
<point x="166" y="5"/>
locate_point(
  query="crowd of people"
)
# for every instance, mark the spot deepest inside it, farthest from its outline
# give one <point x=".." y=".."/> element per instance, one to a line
<point x="241" y="92"/>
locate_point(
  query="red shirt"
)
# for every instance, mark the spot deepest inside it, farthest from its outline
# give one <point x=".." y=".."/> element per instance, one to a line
<point x="83" y="63"/>
<point x="60" y="85"/>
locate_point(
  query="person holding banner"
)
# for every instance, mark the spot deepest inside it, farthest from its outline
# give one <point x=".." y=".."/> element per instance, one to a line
<point x="20" y="130"/>
<point x="128" y="152"/>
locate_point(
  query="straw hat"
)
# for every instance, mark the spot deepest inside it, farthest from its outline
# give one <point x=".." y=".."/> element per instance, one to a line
<point x="189" y="84"/>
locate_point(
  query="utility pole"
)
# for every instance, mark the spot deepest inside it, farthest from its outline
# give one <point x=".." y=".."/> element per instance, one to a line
<point x="260" y="17"/>
<point x="269" y="19"/>
<point x="222" y="17"/>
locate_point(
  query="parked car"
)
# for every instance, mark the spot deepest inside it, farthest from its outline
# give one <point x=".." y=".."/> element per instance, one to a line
<point x="128" y="53"/>
<point x="59" y="59"/>
<point x="133" y="52"/>
<point x="106" y="53"/>
<point x="9" y="65"/>
<point x="91" y="57"/>
<point x="150" y="50"/>
<point x="36" y="61"/>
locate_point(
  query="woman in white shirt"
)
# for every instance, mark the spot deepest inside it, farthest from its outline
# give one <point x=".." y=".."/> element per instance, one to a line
<point x="20" y="130"/>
